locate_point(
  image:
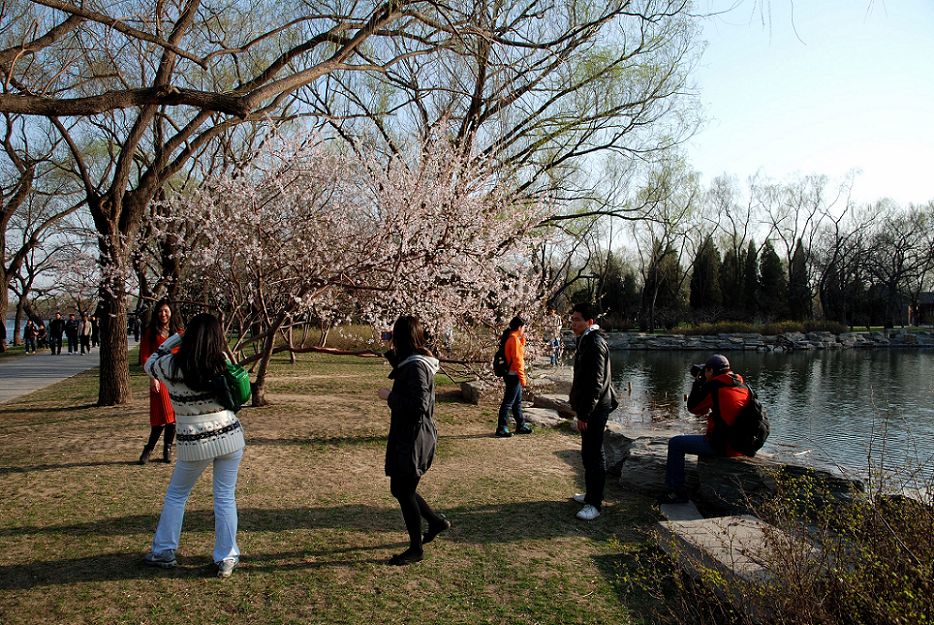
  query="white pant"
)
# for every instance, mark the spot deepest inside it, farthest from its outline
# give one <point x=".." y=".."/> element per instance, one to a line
<point x="183" y="480"/>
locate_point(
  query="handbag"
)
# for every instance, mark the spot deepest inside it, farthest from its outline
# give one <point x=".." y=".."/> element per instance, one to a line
<point x="232" y="387"/>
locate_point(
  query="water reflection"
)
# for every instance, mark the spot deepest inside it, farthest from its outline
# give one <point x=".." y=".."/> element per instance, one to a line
<point x="840" y="407"/>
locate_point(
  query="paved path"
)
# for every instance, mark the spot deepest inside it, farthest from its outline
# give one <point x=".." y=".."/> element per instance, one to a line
<point x="21" y="375"/>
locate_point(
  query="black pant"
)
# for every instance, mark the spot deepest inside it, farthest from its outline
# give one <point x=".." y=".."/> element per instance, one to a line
<point x="413" y="508"/>
<point x="594" y="458"/>
<point x="85" y="343"/>
<point x="72" y="344"/>
<point x="154" y="433"/>
<point x="55" y="344"/>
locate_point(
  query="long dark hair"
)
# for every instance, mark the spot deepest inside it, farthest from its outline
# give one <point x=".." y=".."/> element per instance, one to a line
<point x="514" y="324"/>
<point x="408" y="337"/>
<point x="153" y="328"/>
<point x="200" y="357"/>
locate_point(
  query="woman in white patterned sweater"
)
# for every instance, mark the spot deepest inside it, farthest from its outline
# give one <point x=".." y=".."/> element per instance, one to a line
<point x="206" y="433"/>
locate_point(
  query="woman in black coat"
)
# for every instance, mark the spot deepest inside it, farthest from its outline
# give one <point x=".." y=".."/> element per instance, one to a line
<point x="410" y="447"/>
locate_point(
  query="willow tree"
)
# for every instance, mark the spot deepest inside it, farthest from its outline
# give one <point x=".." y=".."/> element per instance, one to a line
<point x="137" y="90"/>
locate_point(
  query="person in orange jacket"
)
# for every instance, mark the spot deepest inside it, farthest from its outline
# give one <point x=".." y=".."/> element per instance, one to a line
<point x="715" y="395"/>
<point x="513" y="341"/>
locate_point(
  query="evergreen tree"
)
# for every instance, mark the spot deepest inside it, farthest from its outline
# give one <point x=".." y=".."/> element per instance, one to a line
<point x="730" y="283"/>
<point x="751" y="281"/>
<point x="773" y="284"/>
<point x="799" y="292"/>
<point x="705" y="279"/>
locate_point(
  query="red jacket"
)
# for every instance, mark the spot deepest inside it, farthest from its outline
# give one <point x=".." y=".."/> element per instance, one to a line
<point x="730" y="400"/>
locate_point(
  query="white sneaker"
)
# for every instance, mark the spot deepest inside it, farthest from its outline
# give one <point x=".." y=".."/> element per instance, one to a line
<point x="225" y="567"/>
<point x="579" y="498"/>
<point x="588" y="513"/>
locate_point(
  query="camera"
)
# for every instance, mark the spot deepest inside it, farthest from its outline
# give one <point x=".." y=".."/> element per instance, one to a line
<point x="386" y="336"/>
<point x="697" y="371"/>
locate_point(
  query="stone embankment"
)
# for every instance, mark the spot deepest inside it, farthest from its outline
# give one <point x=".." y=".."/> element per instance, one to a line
<point x="636" y="455"/>
<point x="791" y="341"/>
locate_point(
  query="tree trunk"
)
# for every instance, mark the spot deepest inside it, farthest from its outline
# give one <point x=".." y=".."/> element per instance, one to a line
<point x="114" y="370"/>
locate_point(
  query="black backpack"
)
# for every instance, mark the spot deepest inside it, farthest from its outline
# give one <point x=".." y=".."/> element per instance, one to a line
<point x="750" y="430"/>
<point x="500" y="364"/>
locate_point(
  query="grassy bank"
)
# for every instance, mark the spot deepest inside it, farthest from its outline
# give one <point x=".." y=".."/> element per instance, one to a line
<point x="316" y="518"/>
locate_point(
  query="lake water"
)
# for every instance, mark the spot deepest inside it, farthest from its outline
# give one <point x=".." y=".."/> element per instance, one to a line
<point x="835" y="407"/>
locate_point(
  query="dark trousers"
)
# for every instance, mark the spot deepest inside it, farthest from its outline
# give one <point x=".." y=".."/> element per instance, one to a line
<point x="156" y="430"/>
<point x="594" y="458"/>
<point x="413" y="508"/>
<point x="512" y="402"/>
<point x="55" y="344"/>
<point x="85" y="343"/>
<point x="72" y="344"/>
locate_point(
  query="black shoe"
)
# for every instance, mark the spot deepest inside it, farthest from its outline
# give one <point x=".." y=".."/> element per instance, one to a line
<point x="503" y="433"/>
<point x="144" y="457"/>
<point x="525" y="429"/>
<point x="168" y="453"/>
<point x="673" y="497"/>
<point x="406" y="557"/>
<point x="433" y="531"/>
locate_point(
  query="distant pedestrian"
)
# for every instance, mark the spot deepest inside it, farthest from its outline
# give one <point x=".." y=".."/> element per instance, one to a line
<point x="593" y="399"/>
<point x="42" y="335"/>
<point x="71" y="333"/>
<point x="29" y="337"/>
<point x="56" y="329"/>
<point x="410" y="447"/>
<point x="556" y="349"/>
<point x="135" y="327"/>
<point x="513" y="343"/>
<point x="161" y="413"/>
<point x="95" y="330"/>
<point x="84" y="333"/>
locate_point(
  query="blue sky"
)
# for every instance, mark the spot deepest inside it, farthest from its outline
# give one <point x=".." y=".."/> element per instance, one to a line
<point x="820" y="86"/>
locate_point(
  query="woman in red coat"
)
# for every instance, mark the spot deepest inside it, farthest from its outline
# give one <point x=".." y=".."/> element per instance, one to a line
<point x="161" y="414"/>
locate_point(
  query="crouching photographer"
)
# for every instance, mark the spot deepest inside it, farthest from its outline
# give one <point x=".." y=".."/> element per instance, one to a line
<point x="721" y="395"/>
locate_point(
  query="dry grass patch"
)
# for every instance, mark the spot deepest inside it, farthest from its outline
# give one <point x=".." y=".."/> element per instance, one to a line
<point x="316" y="518"/>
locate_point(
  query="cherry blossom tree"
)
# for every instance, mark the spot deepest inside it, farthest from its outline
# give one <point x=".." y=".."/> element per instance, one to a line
<point x="308" y="230"/>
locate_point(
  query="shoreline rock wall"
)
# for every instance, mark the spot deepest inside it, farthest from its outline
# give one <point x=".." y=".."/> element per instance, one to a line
<point x="791" y="341"/>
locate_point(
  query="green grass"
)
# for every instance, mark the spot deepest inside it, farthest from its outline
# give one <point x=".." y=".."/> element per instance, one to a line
<point x="317" y="522"/>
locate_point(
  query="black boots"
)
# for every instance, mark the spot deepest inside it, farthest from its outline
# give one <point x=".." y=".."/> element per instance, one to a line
<point x="144" y="457"/>
<point x="168" y="453"/>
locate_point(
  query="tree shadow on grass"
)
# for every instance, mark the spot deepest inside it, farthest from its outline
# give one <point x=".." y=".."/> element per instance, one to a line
<point x="67" y="465"/>
<point x="471" y="525"/>
<point x="126" y="566"/>
<point x="32" y="409"/>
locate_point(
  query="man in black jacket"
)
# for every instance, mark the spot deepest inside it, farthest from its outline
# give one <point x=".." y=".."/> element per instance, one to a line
<point x="56" y="329"/>
<point x="593" y="399"/>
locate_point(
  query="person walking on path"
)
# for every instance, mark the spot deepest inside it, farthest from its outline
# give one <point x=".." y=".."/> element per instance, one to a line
<point x="714" y="393"/>
<point x="29" y="336"/>
<point x="512" y="342"/>
<point x="71" y="333"/>
<point x="208" y="434"/>
<point x="42" y="335"/>
<point x="593" y="399"/>
<point x="95" y="331"/>
<point x="85" y="330"/>
<point x="410" y="447"/>
<point x="56" y="329"/>
<point x="161" y="414"/>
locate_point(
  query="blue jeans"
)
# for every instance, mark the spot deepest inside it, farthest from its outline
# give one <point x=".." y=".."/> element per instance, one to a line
<point x="678" y="446"/>
<point x="512" y="401"/>
<point x="183" y="480"/>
